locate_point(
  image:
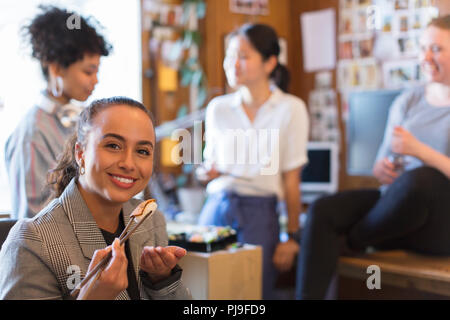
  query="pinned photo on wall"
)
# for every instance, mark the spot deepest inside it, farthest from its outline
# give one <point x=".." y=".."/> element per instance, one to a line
<point x="423" y="3"/>
<point x="401" y="4"/>
<point x="346" y="25"/>
<point x="362" y="21"/>
<point x="171" y="15"/>
<point x="330" y="98"/>
<point x="152" y="9"/>
<point x="348" y="75"/>
<point x="343" y="76"/>
<point x="417" y="22"/>
<point x="358" y="75"/>
<point x="346" y="50"/>
<point x="371" y="76"/>
<point x="347" y="4"/>
<point x="403" y="23"/>
<point x="323" y="115"/>
<point x="408" y="46"/>
<point x="365" y="48"/>
<point x="398" y="74"/>
<point x="319" y="53"/>
<point x="387" y="23"/>
<point x="251" y="7"/>
<point x="365" y="3"/>
<point x="314" y="99"/>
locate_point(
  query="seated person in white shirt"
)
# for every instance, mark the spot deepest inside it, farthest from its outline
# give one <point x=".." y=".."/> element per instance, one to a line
<point x="255" y="148"/>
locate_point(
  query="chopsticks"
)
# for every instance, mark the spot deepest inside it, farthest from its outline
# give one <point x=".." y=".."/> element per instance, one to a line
<point x="102" y="264"/>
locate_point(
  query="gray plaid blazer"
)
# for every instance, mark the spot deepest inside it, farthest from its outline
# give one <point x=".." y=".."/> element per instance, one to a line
<point x="42" y="255"/>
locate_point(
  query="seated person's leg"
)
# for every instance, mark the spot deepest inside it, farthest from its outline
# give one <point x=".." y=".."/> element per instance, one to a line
<point x="328" y="218"/>
<point x="412" y="214"/>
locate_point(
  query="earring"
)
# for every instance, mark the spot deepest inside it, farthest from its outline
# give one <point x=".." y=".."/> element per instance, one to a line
<point x="57" y="87"/>
<point x="82" y="171"/>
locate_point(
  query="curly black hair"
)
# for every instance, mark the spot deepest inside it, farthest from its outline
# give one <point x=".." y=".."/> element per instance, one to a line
<point x="54" y="40"/>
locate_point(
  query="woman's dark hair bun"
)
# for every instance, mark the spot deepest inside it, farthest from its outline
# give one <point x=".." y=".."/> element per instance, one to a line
<point x="281" y="77"/>
<point x="265" y="40"/>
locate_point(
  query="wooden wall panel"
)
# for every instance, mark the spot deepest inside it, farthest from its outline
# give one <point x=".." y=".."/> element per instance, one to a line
<point x="220" y="21"/>
<point x="145" y="61"/>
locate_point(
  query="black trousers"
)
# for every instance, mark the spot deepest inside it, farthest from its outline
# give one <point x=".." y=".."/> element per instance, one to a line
<point x="413" y="214"/>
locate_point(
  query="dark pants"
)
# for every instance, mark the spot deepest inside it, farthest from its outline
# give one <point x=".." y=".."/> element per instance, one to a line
<point x="256" y="221"/>
<point x="413" y="214"/>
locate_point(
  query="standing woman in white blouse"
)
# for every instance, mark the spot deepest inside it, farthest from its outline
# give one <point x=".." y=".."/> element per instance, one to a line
<point x="255" y="148"/>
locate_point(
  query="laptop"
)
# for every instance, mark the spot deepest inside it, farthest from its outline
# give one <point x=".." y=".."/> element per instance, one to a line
<point x="321" y="174"/>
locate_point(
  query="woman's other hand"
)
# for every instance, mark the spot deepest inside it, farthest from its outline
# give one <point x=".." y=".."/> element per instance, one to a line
<point x="403" y="142"/>
<point x="285" y="254"/>
<point x="384" y="171"/>
<point x="158" y="262"/>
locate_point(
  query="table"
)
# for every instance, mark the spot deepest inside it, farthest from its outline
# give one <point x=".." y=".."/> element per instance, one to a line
<point x="232" y="274"/>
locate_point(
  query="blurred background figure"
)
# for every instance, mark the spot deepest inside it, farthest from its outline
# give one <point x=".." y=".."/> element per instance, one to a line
<point x="22" y="73"/>
<point x="245" y="194"/>
<point x="411" y="210"/>
<point x="68" y="48"/>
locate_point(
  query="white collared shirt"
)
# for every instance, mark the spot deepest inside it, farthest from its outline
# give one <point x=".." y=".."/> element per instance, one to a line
<point x="260" y="151"/>
<point x="48" y="104"/>
<point x="67" y="114"/>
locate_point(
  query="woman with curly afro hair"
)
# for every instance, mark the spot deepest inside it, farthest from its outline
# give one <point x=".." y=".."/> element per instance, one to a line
<point x="68" y="48"/>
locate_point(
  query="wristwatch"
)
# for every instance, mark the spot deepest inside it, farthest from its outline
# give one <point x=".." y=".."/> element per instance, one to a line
<point x="294" y="236"/>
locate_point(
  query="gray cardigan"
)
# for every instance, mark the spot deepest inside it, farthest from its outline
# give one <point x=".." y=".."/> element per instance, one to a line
<point x="41" y="256"/>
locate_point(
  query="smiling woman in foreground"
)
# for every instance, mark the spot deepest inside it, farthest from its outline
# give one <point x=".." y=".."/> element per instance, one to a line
<point x="107" y="162"/>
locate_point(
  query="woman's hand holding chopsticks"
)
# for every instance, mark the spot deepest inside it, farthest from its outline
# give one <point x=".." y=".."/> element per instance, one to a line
<point x="113" y="279"/>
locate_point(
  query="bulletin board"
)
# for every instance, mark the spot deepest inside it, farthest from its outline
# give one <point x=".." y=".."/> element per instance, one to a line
<point x="379" y="42"/>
